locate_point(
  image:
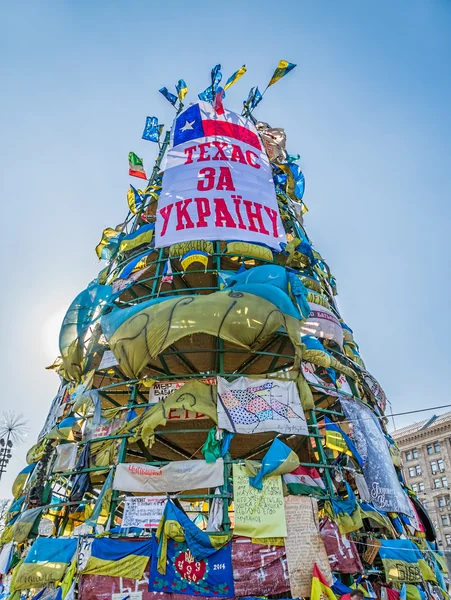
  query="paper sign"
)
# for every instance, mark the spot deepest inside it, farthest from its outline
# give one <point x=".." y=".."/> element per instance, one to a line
<point x="258" y="513"/>
<point x="304" y="545"/>
<point x="143" y="511"/>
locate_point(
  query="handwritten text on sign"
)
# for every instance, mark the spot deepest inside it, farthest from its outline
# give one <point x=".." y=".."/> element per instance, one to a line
<point x="217" y="183"/>
<point x="143" y="511"/>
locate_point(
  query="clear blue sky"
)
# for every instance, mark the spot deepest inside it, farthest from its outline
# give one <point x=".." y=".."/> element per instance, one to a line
<point x="368" y="109"/>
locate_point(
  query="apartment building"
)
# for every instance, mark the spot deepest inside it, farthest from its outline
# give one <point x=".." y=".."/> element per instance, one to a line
<point x="426" y="461"/>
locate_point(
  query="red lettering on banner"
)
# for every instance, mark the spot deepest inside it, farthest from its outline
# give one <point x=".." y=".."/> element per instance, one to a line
<point x="203" y="210"/>
<point x="208" y="181"/>
<point x="165" y="213"/>
<point x="173" y="414"/>
<point x="250" y="158"/>
<point x="220" y="155"/>
<point x="237" y="154"/>
<point x="237" y="202"/>
<point x="182" y="213"/>
<point x="255" y="215"/>
<point x="189" y="151"/>
<point x="203" y="155"/>
<point x="222" y="214"/>
<point x="272" y="214"/>
<point x="225" y="181"/>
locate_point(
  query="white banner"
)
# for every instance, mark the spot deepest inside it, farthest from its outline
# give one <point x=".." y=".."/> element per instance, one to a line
<point x="108" y="361"/>
<point x="255" y="405"/>
<point x="66" y="457"/>
<point x="218" y="182"/>
<point x="143" y="511"/>
<point x="174" y="477"/>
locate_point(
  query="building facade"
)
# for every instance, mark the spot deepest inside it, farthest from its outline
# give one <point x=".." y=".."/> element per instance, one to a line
<point x="426" y="463"/>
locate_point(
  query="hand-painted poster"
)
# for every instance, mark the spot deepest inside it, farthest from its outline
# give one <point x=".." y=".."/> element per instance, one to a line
<point x="217" y="183"/>
<point x="385" y="490"/>
<point x="258" y="405"/>
<point x="162" y="389"/>
<point x="304" y="545"/>
<point x="258" y="513"/>
<point x="259" y="569"/>
<point x="212" y="575"/>
<point x="341" y="385"/>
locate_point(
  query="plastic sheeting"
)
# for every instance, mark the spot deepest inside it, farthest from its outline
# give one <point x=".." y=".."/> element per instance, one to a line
<point x="140" y="333"/>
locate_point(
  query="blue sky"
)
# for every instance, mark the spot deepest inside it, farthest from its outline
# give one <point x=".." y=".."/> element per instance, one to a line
<point x="367" y="108"/>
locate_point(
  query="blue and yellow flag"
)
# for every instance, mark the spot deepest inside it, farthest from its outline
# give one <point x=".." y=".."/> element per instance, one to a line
<point x="21" y="480"/>
<point x="337" y="439"/>
<point x="46" y="562"/>
<point x="119" y="558"/>
<point x="167" y="94"/>
<point x="278" y="460"/>
<point x="103" y="501"/>
<point x="134" y="200"/>
<point x="176" y="525"/>
<point x="346" y="512"/>
<point x="109" y="242"/>
<point x="143" y="235"/>
<point x="403" y="562"/>
<point x="136" y="264"/>
<point x="234" y="78"/>
<point x="194" y="256"/>
<point x="152" y="130"/>
<point x="182" y="89"/>
<point x="64" y="430"/>
<point x="282" y="69"/>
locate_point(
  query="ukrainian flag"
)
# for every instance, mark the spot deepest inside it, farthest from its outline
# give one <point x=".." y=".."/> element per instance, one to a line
<point x="21" y="479"/>
<point x="64" y="430"/>
<point x="234" y="78"/>
<point x="141" y="236"/>
<point x="109" y="242"/>
<point x="282" y="69"/>
<point x="403" y="561"/>
<point x="194" y="256"/>
<point x="119" y="558"/>
<point x="279" y="459"/>
<point x="136" y="264"/>
<point x="182" y="89"/>
<point x="135" y="200"/>
<point x="46" y="562"/>
<point x="337" y="439"/>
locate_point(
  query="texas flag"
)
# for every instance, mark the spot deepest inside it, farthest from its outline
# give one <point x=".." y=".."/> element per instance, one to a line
<point x="201" y="120"/>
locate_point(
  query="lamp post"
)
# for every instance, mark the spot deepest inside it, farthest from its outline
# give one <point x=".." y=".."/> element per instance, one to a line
<point x="6" y="447"/>
<point x="12" y="432"/>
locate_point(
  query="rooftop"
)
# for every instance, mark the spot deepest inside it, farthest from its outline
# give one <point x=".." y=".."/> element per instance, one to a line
<point x="421" y="425"/>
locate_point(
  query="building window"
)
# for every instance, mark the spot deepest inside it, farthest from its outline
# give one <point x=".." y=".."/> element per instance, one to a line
<point x="433" y="467"/>
<point x="448" y="539"/>
<point x="436" y="447"/>
<point x="421" y="486"/>
<point x="415" y="487"/>
<point x="411" y="472"/>
<point x="430" y="449"/>
<point x="437" y="484"/>
<point x="441" y="501"/>
<point x="444" y="482"/>
<point x="408" y="455"/>
<point x="415" y="453"/>
<point x="418" y="469"/>
<point x="441" y="465"/>
<point x="445" y="520"/>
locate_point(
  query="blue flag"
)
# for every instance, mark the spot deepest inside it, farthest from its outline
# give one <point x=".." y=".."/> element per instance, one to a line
<point x="151" y="130"/>
<point x="216" y="77"/>
<point x="167" y="94"/>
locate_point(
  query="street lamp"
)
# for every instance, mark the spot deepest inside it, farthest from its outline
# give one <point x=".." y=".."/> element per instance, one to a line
<point x="12" y="430"/>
